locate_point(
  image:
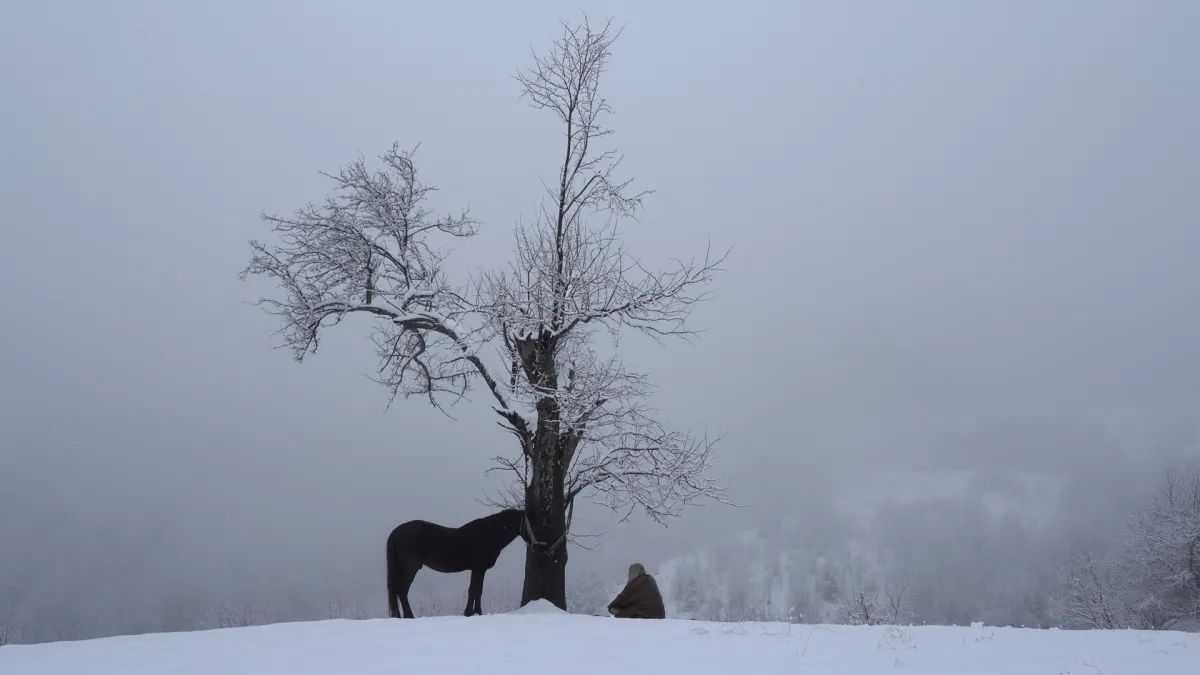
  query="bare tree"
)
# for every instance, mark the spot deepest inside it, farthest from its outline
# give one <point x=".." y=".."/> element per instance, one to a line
<point x="527" y="332"/>
<point x="335" y="607"/>
<point x="895" y="582"/>
<point x="359" y="612"/>
<point x="1160" y="555"/>
<point x="895" y="599"/>
<point x="9" y="634"/>
<point x="429" y="603"/>
<point x="9" y="630"/>
<point x="1088" y="597"/>
<point x="231" y="615"/>
<point x="861" y="607"/>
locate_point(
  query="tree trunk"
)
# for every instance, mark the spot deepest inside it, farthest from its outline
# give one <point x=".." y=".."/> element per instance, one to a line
<point x="545" y="506"/>
<point x="545" y="578"/>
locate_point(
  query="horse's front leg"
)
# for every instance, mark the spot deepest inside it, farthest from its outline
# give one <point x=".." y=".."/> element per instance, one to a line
<point x="475" y="594"/>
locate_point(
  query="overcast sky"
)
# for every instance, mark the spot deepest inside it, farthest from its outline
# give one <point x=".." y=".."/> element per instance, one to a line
<point x="949" y="219"/>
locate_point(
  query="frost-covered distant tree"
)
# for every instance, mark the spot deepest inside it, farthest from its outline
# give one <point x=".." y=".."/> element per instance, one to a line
<point x="11" y="600"/>
<point x="957" y="567"/>
<point x="1159" y="560"/>
<point x="429" y="602"/>
<point x="335" y="607"/>
<point x="503" y="597"/>
<point x="1088" y="597"/>
<point x="894" y="596"/>
<point x="689" y="598"/>
<point x="802" y="604"/>
<point x="860" y="607"/>
<point x="830" y="585"/>
<point x="9" y="633"/>
<point x="237" y="615"/>
<point x="731" y="565"/>
<point x="528" y="331"/>
<point x="589" y="595"/>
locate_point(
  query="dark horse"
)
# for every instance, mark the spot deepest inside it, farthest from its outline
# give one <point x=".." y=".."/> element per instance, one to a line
<point x="475" y="547"/>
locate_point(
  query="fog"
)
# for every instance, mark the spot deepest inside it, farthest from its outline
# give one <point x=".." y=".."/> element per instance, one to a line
<point x="964" y="238"/>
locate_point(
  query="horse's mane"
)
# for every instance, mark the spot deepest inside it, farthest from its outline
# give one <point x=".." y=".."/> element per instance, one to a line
<point x="489" y="522"/>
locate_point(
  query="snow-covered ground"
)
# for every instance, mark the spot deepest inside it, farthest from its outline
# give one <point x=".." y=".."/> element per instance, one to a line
<point x="540" y="639"/>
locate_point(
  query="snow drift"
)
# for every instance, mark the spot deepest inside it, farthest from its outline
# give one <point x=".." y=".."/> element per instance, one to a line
<point x="540" y="641"/>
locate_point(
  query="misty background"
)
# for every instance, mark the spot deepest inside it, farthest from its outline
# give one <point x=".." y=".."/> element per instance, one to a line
<point x="961" y="299"/>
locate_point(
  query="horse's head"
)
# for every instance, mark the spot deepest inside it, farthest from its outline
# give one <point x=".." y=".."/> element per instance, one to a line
<point x="515" y="524"/>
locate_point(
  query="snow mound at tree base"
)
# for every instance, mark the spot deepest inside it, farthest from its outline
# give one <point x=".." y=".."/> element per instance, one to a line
<point x="538" y="607"/>
<point x="507" y="644"/>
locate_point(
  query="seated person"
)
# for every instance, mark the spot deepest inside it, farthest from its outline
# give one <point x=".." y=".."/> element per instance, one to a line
<point x="640" y="598"/>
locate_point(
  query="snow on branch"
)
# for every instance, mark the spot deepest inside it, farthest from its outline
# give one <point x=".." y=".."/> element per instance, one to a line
<point x="639" y="464"/>
<point x="558" y="284"/>
<point x="367" y="250"/>
<point x="567" y="81"/>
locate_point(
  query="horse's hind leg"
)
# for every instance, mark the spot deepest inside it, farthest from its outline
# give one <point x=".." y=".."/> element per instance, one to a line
<point x="393" y="608"/>
<point x="475" y="593"/>
<point x="407" y="574"/>
<point x="393" y="581"/>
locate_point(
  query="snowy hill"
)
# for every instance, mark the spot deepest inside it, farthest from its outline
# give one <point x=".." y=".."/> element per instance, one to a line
<point x="543" y="640"/>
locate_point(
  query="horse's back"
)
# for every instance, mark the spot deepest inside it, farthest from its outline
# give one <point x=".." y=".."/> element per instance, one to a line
<point x="417" y="538"/>
<point x="473" y="546"/>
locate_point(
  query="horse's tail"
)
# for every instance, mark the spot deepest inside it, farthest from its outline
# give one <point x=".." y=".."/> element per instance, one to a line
<point x="393" y="580"/>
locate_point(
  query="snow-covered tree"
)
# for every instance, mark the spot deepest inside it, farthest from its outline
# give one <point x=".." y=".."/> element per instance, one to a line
<point x="1088" y="598"/>
<point x="528" y="331"/>
<point x="861" y="607"/>
<point x="895" y="595"/>
<point x="237" y="615"/>
<point x="1152" y="580"/>
<point x="1159" y="559"/>
<point x="9" y="633"/>
<point x="685" y="587"/>
<point x="10" y="606"/>
<point x="802" y="605"/>
<point x="830" y="585"/>
<point x="589" y="595"/>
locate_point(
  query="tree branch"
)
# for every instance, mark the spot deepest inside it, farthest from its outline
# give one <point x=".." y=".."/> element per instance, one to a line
<point x="373" y="233"/>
